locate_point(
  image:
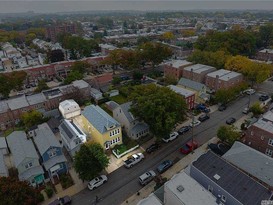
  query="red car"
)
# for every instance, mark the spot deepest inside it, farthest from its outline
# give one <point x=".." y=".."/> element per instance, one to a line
<point x="188" y="147"/>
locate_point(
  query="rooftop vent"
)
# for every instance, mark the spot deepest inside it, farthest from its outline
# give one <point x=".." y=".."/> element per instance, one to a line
<point x="180" y="188"/>
<point x="216" y="176"/>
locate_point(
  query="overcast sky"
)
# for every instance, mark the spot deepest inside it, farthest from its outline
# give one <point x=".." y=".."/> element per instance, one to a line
<point x="50" y="6"/>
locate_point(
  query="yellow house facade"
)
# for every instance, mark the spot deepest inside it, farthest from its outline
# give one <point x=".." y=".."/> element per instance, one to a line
<point x="102" y="128"/>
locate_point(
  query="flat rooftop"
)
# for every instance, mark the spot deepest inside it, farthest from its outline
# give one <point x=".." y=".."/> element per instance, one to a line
<point x="179" y="63"/>
<point x="235" y="182"/>
<point x="224" y="74"/>
<point x="199" y="68"/>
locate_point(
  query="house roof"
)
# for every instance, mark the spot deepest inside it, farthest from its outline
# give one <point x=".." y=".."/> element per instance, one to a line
<point x="181" y="91"/>
<point x="232" y="180"/>
<point x="69" y="106"/>
<point x="45" y="138"/>
<point x="80" y="84"/>
<point x="34" y="171"/>
<point x="54" y="160"/>
<point x="112" y="105"/>
<point x="71" y="130"/>
<point x="18" y="102"/>
<point x="99" y="118"/>
<point x="224" y="74"/>
<point x="21" y="147"/>
<point x="192" y="84"/>
<point x="179" y="63"/>
<point x="199" y="68"/>
<point x="252" y="161"/>
<point x="151" y="199"/>
<point x="141" y="126"/>
<point x="36" y="98"/>
<point x="3" y="106"/>
<point x="125" y="108"/>
<point x="3" y="143"/>
<point x="264" y="125"/>
<point x="188" y="186"/>
<point x="3" y="167"/>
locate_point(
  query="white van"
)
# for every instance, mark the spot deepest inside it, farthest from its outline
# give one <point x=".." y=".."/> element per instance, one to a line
<point x="146" y="177"/>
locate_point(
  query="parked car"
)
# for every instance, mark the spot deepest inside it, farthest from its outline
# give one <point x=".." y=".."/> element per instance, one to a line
<point x="184" y="129"/>
<point x="134" y="159"/>
<point x="219" y="149"/>
<point x="171" y="137"/>
<point x="263" y="97"/>
<point x="222" y="107"/>
<point x="230" y="121"/>
<point x="246" y="110"/>
<point x="249" y="91"/>
<point x="98" y="181"/>
<point x="195" y="123"/>
<point x="203" y="117"/>
<point x="200" y="107"/>
<point x="188" y="147"/>
<point x="164" y="166"/>
<point x="61" y="201"/>
<point x="146" y="177"/>
<point x="206" y="110"/>
<point x="152" y="148"/>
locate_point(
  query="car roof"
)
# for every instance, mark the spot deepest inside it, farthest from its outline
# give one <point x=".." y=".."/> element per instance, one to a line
<point x="189" y="143"/>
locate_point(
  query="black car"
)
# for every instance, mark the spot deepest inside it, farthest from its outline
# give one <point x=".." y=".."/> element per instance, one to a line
<point x="203" y="117"/>
<point x="219" y="149"/>
<point x="61" y="201"/>
<point x="263" y="97"/>
<point x="152" y="148"/>
<point x="222" y="107"/>
<point x="230" y="121"/>
<point x="184" y="129"/>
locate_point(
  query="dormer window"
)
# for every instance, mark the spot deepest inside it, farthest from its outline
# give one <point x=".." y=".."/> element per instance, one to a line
<point x="28" y="165"/>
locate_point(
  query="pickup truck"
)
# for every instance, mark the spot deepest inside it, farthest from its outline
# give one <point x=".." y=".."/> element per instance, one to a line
<point x="188" y="147"/>
<point x="134" y="159"/>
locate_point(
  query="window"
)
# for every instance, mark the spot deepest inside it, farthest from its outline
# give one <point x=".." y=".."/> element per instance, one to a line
<point x="118" y="131"/>
<point x="28" y="165"/>
<point x="269" y="152"/>
<point x="223" y="198"/>
<point x="270" y="142"/>
<point x="251" y="133"/>
<point x="52" y="153"/>
<point x="210" y="188"/>
<point x="262" y="137"/>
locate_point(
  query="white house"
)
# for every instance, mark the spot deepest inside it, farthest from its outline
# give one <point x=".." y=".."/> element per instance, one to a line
<point x="69" y="108"/>
<point x="96" y="94"/>
<point x="72" y="136"/>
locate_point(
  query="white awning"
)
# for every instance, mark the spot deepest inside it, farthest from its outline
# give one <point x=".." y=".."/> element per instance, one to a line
<point x="55" y="168"/>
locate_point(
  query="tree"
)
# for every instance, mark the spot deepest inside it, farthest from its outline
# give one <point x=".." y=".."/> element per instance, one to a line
<point x="223" y="96"/>
<point x="41" y="86"/>
<point x="159" y="107"/>
<point x="56" y="56"/>
<point x="32" y="118"/>
<point x="137" y="75"/>
<point x="72" y="76"/>
<point x="168" y="36"/>
<point x="89" y="161"/>
<point x="228" y="134"/>
<point x="256" y="109"/>
<point x="13" y="192"/>
<point x="266" y="34"/>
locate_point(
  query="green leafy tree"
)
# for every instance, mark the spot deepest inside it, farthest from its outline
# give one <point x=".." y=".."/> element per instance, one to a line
<point x="256" y="109"/>
<point x="266" y="34"/>
<point x="228" y="134"/>
<point x="13" y="192"/>
<point x="137" y="75"/>
<point x="159" y="107"/>
<point x="223" y="96"/>
<point x="56" y="56"/>
<point x="32" y="118"/>
<point x="87" y="161"/>
<point x="41" y="86"/>
<point x="72" y="76"/>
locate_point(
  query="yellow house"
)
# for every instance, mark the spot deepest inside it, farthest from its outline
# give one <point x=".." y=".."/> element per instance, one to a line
<point x="101" y="126"/>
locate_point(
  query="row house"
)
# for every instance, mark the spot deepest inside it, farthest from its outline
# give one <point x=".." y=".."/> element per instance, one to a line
<point x="188" y="95"/>
<point x="260" y="134"/>
<point x="265" y="55"/>
<point x="222" y="79"/>
<point x="174" y="69"/>
<point x="12" y="109"/>
<point x="197" y="72"/>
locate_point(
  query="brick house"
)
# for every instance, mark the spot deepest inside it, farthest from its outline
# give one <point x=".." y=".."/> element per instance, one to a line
<point x="265" y="55"/>
<point x="188" y="95"/>
<point x="260" y="134"/>
<point x="197" y="72"/>
<point x="174" y="69"/>
<point x="223" y="79"/>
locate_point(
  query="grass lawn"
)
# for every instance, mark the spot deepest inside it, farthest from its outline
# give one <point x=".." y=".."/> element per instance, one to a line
<point x="119" y="99"/>
<point x="103" y="106"/>
<point x="119" y="149"/>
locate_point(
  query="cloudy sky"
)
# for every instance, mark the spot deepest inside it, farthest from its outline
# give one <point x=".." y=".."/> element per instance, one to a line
<point x="51" y="6"/>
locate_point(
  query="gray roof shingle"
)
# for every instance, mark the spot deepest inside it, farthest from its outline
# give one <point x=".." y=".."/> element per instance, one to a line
<point x="192" y="84"/>
<point x="125" y="108"/>
<point x="34" y="171"/>
<point x="99" y="118"/>
<point x="3" y="168"/>
<point x="250" y="160"/>
<point x="54" y="160"/>
<point x="21" y="147"/>
<point x="236" y="183"/>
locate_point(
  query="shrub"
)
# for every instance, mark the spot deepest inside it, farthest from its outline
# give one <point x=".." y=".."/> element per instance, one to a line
<point x="66" y="181"/>
<point x="41" y="197"/>
<point x="49" y="191"/>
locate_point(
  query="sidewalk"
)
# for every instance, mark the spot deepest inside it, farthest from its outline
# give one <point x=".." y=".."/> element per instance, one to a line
<point x="176" y="168"/>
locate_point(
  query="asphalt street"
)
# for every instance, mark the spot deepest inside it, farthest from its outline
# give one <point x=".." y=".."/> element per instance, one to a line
<point x="123" y="182"/>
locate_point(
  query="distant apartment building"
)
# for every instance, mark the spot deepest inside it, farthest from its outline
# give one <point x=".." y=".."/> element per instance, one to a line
<point x="188" y="95"/>
<point x="12" y="109"/>
<point x="197" y="72"/>
<point x="260" y="134"/>
<point x="222" y="79"/>
<point x="52" y="32"/>
<point x="174" y="69"/>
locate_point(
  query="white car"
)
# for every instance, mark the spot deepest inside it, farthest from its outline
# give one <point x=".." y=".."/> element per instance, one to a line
<point x="249" y="91"/>
<point x="98" y="181"/>
<point x="171" y="137"/>
<point x="195" y="123"/>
